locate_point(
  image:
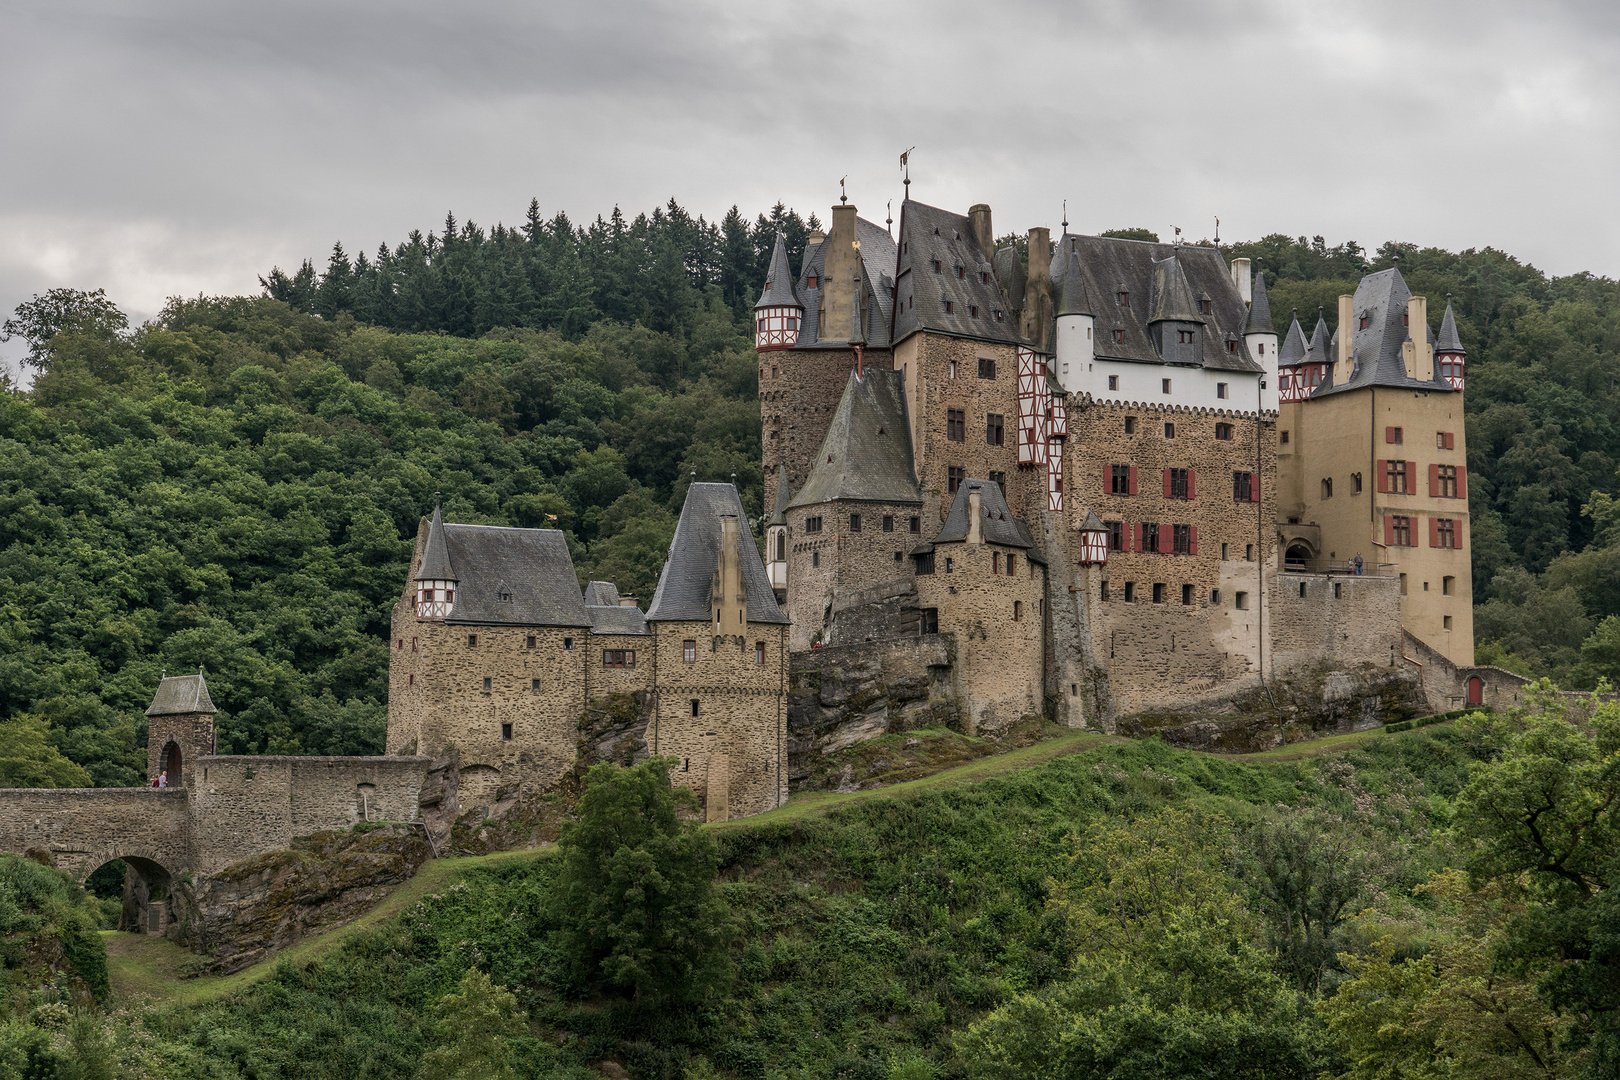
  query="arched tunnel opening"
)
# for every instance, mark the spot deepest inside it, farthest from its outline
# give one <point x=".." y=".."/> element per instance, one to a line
<point x="142" y="889"/>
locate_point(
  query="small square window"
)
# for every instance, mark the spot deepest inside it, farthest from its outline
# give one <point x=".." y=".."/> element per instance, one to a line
<point x="759" y="653"/>
<point x="488" y="683"/>
<point x="914" y="525"/>
<point x="1158" y="592"/>
<point x="472" y="641"/>
<point x="987" y="367"/>
<point x="506" y="732"/>
<point x="1446" y="622"/>
<point x="689" y="651"/>
<point x="1169" y="431"/>
<point x="1242" y="601"/>
<point x="1113" y="382"/>
<point x="815" y="559"/>
<point x="1130" y="592"/>
<point x="1223" y="432"/>
<point x="694" y="706"/>
<point x="1187" y="595"/>
<point x="529" y="642"/>
<point x="568" y="644"/>
<point x="1130" y="422"/>
<point x="1220" y="389"/>
<point x="1214" y="598"/>
<point x="854" y="523"/>
<point x="1282" y="437"/>
<point x="888" y="523"/>
<point x="1164" y="385"/>
<point x="534" y="684"/>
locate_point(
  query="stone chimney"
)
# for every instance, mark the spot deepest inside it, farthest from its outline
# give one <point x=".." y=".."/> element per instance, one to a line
<point x="1036" y="326"/>
<point x="979" y="215"/>
<point x="730" y="601"/>
<point x="975" y="517"/>
<point x="1240" y="278"/>
<point x="1417" y="335"/>
<point x="814" y="239"/>
<point x="1347" y="332"/>
<point x="840" y="274"/>
<point x="627" y="601"/>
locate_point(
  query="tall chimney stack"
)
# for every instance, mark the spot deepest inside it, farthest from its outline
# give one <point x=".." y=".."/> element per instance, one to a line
<point x="1347" y="331"/>
<point x="979" y="215"/>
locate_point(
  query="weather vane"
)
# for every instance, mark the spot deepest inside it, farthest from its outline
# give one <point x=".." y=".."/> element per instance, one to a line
<point x="1217" y="230"/>
<point x="1065" y="215"/>
<point x="841" y="196"/>
<point x="889" y="221"/>
<point x="905" y="166"/>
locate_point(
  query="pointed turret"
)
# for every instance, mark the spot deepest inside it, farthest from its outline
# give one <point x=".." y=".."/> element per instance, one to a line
<point x="783" y="496"/>
<point x="436" y="577"/>
<point x="779" y="312"/>
<point x="1321" y="351"/>
<point x="1448" y="341"/>
<point x="1074" y="299"/>
<point x="1259" y="321"/>
<point x="1293" y="346"/>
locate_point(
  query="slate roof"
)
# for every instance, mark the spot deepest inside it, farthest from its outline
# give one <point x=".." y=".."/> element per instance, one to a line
<point x="866" y="453"/>
<point x="532" y="566"/>
<point x="435" y="562"/>
<point x="1320" y="349"/>
<point x="1448" y="341"/>
<point x="1259" y="320"/>
<point x="1172" y="299"/>
<point x="877" y="278"/>
<point x="999" y="525"/>
<point x="601" y="594"/>
<point x="180" y="694"/>
<point x="778" y="291"/>
<point x="694" y="555"/>
<point x="1092" y="523"/>
<point x="1381" y="299"/>
<point x="1293" y="348"/>
<point x="1072" y="296"/>
<point x="929" y="234"/>
<point x="1111" y="266"/>
<point x="614" y="619"/>
<point x="784" y="495"/>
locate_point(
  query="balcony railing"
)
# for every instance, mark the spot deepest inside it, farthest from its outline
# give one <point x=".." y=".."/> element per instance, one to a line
<point x="1340" y="567"/>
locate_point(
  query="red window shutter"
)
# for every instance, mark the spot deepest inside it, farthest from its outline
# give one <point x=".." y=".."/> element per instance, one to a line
<point x="1167" y="483"/>
<point x="1108" y="479"/>
<point x="1434" y="480"/>
<point x="1136" y="544"/>
<point x="1389" y="530"/>
<point x="1457" y="540"/>
<point x="1451" y="440"/>
<point x="1434" y="532"/>
<point x="1254" y="487"/>
<point x="1389" y="434"/>
<point x="1191" y="493"/>
<point x="1167" y="542"/>
<point x="1133" y="479"/>
<point x="1383" y="476"/>
<point x="1192" y="539"/>
<point x="1462" y="482"/>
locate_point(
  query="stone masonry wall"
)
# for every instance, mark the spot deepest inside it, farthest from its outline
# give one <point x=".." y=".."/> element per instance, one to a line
<point x="193" y="733"/>
<point x="1000" y="658"/>
<point x="1338" y="618"/>
<point x="731" y="744"/>
<point x="82" y="828"/>
<point x="602" y="680"/>
<point x="828" y="563"/>
<point x="799" y="390"/>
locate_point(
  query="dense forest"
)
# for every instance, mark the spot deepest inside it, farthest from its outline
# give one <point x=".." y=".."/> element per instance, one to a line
<point x="237" y="483"/>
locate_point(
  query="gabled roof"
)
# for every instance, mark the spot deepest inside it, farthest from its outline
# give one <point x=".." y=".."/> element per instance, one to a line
<point x="436" y="564"/>
<point x="998" y="527"/>
<point x="1172" y="298"/>
<point x="688" y="577"/>
<point x="1072" y="296"/>
<point x="601" y="594"/>
<point x="1293" y="348"/>
<point x="779" y="291"/>
<point x="866" y="453"/>
<point x="877" y="278"/>
<point x="1376" y="350"/>
<point x="180" y="694"/>
<point x="1448" y="341"/>
<point x="615" y="619"/>
<point x="928" y="235"/>
<point x="1111" y="266"/>
<point x="1259" y="320"/>
<point x="531" y="566"/>
<point x="784" y="495"/>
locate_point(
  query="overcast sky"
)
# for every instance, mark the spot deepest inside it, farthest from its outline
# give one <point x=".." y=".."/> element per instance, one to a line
<point x="160" y="148"/>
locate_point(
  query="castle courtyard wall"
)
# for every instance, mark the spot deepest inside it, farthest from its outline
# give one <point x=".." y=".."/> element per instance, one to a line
<point x="82" y="828"/>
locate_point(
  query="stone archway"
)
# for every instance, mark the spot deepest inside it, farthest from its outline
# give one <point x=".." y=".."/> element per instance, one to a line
<point x="1298" y="556"/>
<point x="148" y="894"/>
<point x="172" y="761"/>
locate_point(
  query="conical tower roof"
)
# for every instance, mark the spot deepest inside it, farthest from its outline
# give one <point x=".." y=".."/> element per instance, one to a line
<point x="1449" y="342"/>
<point x="1092" y="523"/>
<point x="1074" y="299"/>
<point x="1320" y="350"/>
<point x="436" y="559"/>
<point x="779" y="290"/>
<point x="1259" y="321"/>
<point x="1293" y="346"/>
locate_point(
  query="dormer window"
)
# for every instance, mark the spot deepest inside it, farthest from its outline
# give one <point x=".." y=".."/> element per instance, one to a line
<point x="973" y="311"/>
<point x="998" y="315"/>
<point x="1364" y="321"/>
<point x="936" y="266"/>
<point x="1119" y="337"/>
<point x="950" y="307"/>
<point x="1203" y="307"/>
<point x="812" y="282"/>
<point x="984" y="277"/>
<point x="961" y="272"/>
<point x="1124" y="299"/>
<point x="1231" y="345"/>
<point x="1184" y="337"/>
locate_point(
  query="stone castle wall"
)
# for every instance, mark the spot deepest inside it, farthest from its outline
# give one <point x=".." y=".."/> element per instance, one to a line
<point x="602" y="680"/>
<point x="1339" y="617"/>
<point x="799" y="390"/>
<point x="824" y="565"/>
<point x="82" y="828"/>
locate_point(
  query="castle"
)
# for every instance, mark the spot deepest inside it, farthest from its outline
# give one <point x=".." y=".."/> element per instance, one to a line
<point x="1080" y="480"/>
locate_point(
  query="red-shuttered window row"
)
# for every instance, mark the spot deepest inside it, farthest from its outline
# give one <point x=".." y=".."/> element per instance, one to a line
<point x="1177" y="483"/>
<point x="1154" y="537"/>
<point x="1445" y="481"/>
<point x="1402" y="530"/>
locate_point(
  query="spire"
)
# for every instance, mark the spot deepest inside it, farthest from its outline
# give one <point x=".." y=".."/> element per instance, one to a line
<point x="783" y="497"/>
<point x="435" y="559"/>
<point x="1293" y="346"/>
<point x="1074" y="300"/>
<point x="779" y="290"/>
<point x="1259" y="308"/>
<point x="1449" y="342"/>
<point x="1320" y="351"/>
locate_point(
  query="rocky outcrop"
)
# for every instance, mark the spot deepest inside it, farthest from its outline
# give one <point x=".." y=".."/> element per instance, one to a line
<point x="844" y="695"/>
<point x="251" y="908"/>
<point x="1304" y="704"/>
